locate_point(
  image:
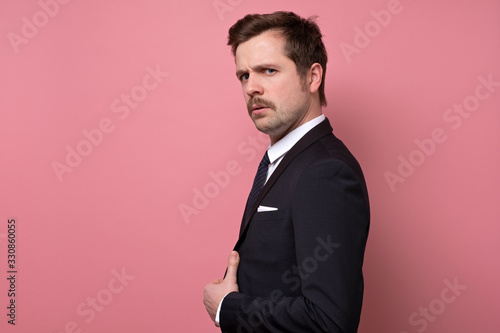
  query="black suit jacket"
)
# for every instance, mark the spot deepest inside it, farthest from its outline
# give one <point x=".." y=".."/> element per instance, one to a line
<point x="301" y="265"/>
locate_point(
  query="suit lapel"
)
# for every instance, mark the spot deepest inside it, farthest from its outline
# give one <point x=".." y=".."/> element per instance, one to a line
<point x="322" y="129"/>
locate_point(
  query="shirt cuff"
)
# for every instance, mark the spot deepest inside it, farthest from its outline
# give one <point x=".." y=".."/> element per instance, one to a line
<point x="217" y="315"/>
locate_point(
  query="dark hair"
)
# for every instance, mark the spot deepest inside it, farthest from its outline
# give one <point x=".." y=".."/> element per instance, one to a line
<point x="303" y="39"/>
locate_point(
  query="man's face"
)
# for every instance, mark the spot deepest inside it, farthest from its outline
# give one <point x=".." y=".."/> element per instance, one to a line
<point x="278" y="100"/>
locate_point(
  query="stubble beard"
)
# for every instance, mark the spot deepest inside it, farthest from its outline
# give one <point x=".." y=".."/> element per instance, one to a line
<point x="273" y="123"/>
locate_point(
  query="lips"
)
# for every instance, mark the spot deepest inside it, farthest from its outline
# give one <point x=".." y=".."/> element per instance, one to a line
<point x="258" y="107"/>
<point x="259" y="110"/>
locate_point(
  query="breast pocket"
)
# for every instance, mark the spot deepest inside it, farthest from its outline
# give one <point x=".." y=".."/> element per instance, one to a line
<point x="270" y="239"/>
<point x="268" y="216"/>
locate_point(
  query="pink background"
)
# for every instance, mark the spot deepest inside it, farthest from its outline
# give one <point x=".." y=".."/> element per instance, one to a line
<point x="119" y="209"/>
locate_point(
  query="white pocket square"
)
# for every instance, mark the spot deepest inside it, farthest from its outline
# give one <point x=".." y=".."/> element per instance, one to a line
<point x="266" y="209"/>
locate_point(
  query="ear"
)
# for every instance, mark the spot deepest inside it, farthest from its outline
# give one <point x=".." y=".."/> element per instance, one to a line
<point x="315" y="77"/>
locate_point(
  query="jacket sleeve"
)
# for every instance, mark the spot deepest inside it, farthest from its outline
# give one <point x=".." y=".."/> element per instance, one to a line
<point x="330" y="216"/>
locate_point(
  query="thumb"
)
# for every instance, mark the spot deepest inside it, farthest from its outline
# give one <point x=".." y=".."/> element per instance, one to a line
<point x="232" y="267"/>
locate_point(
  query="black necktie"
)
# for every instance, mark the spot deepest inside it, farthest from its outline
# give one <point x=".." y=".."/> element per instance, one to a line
<point x="258" y="182"/>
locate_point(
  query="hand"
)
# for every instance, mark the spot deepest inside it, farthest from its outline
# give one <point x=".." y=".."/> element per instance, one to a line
<point x="217" y="289"/>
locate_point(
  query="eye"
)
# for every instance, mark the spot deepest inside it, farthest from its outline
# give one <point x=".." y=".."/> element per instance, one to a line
<point x="244" y="77"/>
<point x="270" y="71"/>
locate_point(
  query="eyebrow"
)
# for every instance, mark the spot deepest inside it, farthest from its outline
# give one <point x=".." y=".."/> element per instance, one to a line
<point x="257" y="68"/>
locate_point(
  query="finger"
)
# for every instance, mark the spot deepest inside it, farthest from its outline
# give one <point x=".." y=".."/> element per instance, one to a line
<point x="232" y="267"/>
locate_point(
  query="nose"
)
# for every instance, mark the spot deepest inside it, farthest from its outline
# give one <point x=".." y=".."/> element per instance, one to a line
<point x="253" y="86"/>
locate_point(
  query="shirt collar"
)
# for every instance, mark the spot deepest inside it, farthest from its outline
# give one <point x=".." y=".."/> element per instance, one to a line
<point x="288" y="141"/>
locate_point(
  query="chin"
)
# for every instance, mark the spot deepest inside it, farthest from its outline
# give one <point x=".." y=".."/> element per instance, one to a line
<point x="262" y="129"/>
<point x="266" y="126"/>
<point x="272" y="132"/>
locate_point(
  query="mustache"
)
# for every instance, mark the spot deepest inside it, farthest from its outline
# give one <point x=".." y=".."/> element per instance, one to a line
<point x="259" y="101"/>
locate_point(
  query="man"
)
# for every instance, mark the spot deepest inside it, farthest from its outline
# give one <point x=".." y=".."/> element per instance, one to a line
<point x="297" y="265"/>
